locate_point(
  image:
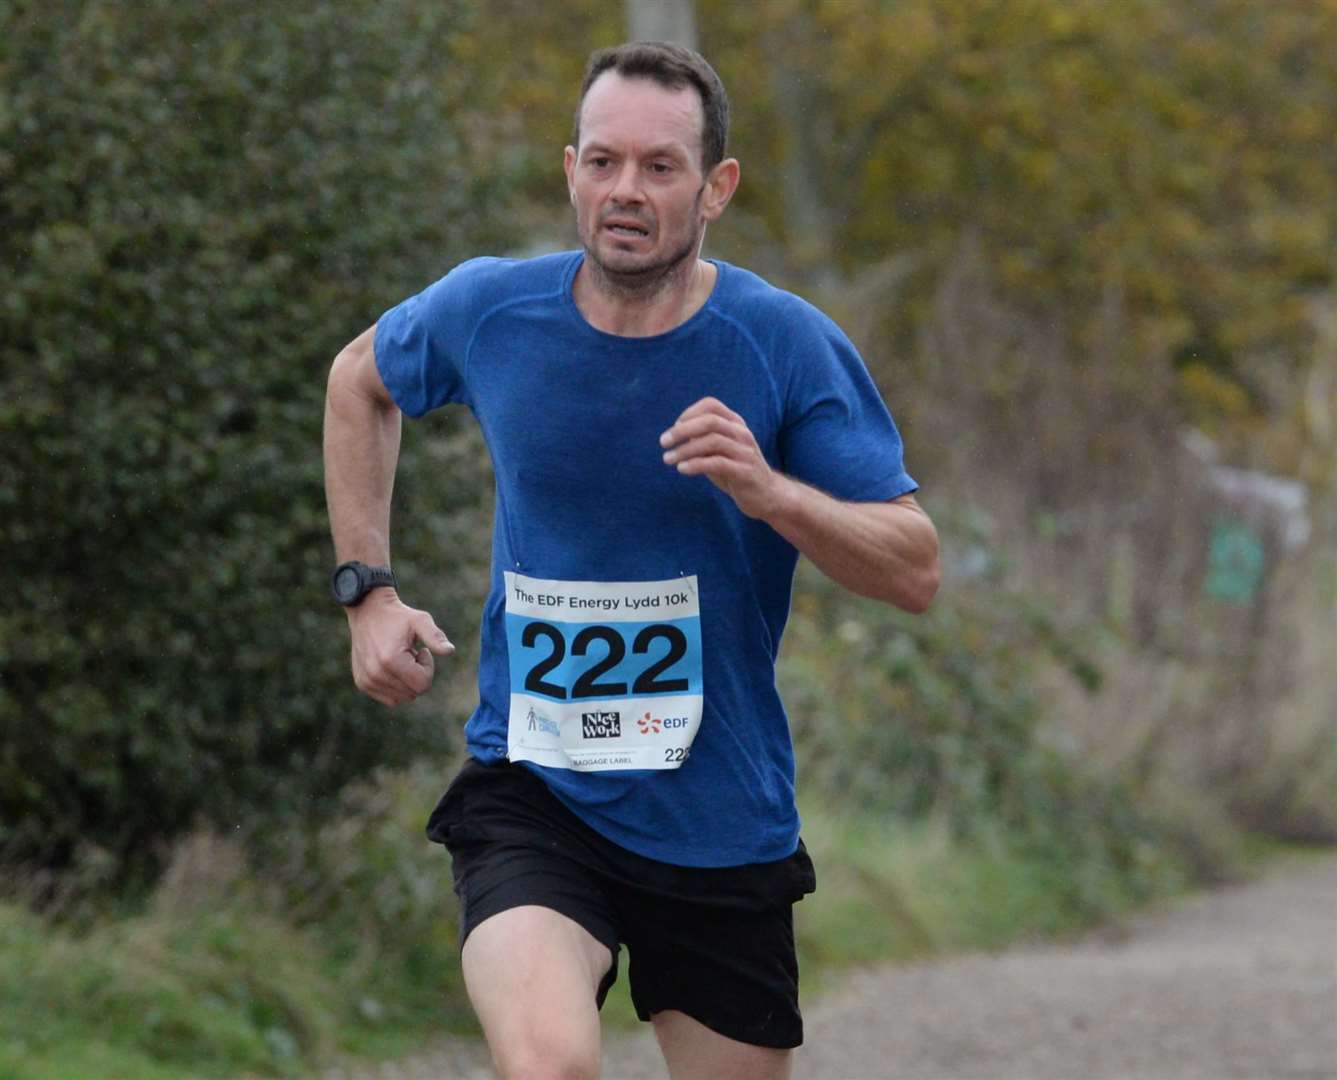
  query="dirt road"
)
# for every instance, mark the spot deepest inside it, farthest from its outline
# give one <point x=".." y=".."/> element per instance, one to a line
<point x="1239" y="984"/>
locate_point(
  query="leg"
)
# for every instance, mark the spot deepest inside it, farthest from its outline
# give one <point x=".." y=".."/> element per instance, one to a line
<point x="694" y="1052"/>
<point x="533" y="976"/>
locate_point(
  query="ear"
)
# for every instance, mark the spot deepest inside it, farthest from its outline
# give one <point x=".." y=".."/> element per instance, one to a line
<point x="569" y="167"/>
<point x="719" y="188"/>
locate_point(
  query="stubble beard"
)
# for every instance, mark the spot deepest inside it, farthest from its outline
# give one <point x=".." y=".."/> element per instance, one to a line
<point x="642" y="282"/>
<point x="647" y="281"/>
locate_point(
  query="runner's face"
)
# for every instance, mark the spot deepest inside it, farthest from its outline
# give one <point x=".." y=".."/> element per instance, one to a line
<point x="636" y="180"/>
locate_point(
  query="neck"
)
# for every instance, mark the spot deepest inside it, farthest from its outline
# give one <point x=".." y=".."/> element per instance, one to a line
<point x="632" y="306"/>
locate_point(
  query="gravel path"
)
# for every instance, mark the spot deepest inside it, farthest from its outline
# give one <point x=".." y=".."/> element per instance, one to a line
<point x="1238" y="984"/>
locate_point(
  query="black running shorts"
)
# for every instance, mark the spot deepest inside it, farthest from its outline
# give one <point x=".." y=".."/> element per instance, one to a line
<point x="716" y="944"/>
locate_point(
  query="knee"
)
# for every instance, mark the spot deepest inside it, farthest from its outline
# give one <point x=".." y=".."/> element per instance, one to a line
<point x="551" y="1058"/>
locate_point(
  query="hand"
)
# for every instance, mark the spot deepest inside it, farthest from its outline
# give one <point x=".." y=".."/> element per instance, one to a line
<point x="393" y="646"/>
<point x="710" y="439"/>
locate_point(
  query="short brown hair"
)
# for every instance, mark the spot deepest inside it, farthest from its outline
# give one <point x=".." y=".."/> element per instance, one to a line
<point x="672" y="67"/>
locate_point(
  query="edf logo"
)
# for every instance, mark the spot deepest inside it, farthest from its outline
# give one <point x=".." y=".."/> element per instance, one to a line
<point x="675" y="722"/>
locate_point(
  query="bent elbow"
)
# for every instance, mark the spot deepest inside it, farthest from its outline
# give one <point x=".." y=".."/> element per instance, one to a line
<point x="923" y="589"/>
<point x="911" y="592"/>
<point x="925" y="577"/>
<point x="920" y="585"/>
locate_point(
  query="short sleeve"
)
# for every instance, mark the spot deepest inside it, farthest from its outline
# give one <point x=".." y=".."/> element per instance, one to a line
<point x="421" y="344"/>
<point x="837" y="433"/>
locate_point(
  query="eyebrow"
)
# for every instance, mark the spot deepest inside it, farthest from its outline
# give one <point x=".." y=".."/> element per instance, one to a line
<point x="674" y="150"/>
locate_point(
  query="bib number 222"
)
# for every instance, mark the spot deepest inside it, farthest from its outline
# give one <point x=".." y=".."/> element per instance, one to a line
<point x="604" y="675"/>
<point x="609" y="649"/>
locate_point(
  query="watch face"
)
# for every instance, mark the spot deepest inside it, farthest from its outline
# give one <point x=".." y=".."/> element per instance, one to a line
<point x="347" y="584"/>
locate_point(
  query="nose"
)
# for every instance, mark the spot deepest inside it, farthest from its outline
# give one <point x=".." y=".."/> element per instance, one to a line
<point x="626" y="184"/>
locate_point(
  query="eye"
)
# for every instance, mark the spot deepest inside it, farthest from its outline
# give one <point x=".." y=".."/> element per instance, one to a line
<point x="660" y="168"/>
<point x="599" y="162"/>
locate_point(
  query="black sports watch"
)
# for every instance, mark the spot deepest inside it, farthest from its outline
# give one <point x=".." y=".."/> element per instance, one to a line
<point x="351" y="581"/>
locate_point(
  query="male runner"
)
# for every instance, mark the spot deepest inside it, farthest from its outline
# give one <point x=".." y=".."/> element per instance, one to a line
<point x="668" y="433"/>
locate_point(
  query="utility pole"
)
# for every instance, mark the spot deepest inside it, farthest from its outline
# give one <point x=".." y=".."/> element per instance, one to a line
<point x="662" y="20"/>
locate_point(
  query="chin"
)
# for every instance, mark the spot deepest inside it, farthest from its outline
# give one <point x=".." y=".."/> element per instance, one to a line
<point x="618" y="261"/>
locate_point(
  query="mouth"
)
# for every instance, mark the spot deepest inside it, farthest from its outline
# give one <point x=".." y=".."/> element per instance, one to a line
<point x="626" y="230"/>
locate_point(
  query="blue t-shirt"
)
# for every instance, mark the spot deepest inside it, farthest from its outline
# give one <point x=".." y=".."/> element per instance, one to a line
<point x="665" y="604"/>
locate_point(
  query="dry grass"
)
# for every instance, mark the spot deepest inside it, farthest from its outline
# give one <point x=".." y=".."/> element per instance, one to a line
<point x="1070" y="454"/>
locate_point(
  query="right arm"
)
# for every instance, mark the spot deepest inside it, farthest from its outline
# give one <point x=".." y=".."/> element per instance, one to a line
<point x="392" y="643"/>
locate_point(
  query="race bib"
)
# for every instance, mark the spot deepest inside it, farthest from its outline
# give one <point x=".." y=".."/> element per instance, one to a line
<point x="604" y="674"/>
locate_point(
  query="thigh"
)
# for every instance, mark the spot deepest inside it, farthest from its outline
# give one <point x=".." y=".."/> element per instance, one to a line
<point x="539" y="954"/>
<point x="505" y="854"/>
<point x="692" y="1050"/>
<point x="733" y="971"/>
<point x="533" y="976"/>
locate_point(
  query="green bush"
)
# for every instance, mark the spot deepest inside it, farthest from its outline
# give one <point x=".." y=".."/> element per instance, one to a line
<point x="934" y="718"/>
<point x="199" y="205"/>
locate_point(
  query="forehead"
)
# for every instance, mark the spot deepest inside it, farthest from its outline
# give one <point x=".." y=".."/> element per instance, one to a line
<point x="618" y="110"/>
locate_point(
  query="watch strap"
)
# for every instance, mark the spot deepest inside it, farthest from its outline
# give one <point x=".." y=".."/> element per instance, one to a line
<point x="368" y="578"/>
<point x="375" y="576"/>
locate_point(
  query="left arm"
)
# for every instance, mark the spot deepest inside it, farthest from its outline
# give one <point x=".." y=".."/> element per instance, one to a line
<point x="885" y="550"/>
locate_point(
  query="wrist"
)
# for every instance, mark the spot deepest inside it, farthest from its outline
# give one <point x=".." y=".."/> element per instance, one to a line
<point x="373" y="603"/>
<point x="783" y="501"/>
<point x="352" y="582"/>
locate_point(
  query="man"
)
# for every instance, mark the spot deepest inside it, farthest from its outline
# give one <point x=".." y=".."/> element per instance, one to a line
<point x="668" y="434"/>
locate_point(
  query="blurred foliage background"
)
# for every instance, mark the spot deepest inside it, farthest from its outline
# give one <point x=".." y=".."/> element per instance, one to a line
<point x="199" y="206"/>
<point x="1088" y="251"/>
